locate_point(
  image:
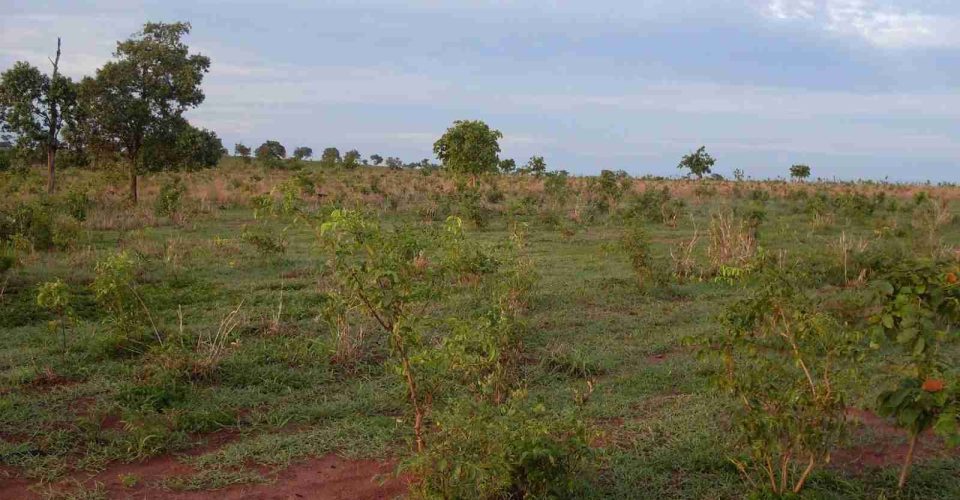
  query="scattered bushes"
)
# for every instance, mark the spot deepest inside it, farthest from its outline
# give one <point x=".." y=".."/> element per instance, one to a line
<point x="781" y="359"/>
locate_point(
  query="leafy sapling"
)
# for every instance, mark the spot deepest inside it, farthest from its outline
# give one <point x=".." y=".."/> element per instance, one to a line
<point x="54" y="296"/>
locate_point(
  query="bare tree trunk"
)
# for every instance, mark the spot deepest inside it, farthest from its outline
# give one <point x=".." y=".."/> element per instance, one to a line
<point x="133" y="184"/>
<point x="51" y="170"/>
<point x="54" y="125"/>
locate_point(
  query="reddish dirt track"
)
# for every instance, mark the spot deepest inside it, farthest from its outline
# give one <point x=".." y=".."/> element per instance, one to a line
<point x="326" y="478"/>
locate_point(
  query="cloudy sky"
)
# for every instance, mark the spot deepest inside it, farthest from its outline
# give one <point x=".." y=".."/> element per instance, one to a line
<point x="855" y="88"/>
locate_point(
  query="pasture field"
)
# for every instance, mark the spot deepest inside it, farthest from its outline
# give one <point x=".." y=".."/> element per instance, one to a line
<point x="209" y="342"/>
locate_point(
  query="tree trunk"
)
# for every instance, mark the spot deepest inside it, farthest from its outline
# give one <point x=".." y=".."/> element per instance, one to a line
<point x="907" y="461"/>
<point x="133" y="183"/>
<point x="51" y="170"/>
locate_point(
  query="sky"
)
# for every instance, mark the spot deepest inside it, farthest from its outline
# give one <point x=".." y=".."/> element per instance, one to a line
<point x="853" y="88"/>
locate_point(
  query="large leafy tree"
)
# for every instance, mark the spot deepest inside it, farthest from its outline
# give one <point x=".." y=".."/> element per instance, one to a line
<point x="698" y="163"/>
<point x="469" y="147"/>
<point x="271" y="150"/>
<point x="800" y="172"/>
<point x="33" y="107"/>
<point x="142" y="94"/>
<point x="330" y="157"/>
<point x="302" y="152"/>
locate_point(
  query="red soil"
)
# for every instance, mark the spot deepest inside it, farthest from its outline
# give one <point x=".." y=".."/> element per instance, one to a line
<point x="326" y="478"/>
<point x="889" y="446"/>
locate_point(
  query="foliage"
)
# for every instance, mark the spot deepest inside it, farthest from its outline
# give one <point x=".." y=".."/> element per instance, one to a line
<point x="55" y="297"/>
<point x="169" y="200"/>
<point x="920" y="307"/>
<point x="781" y="359"/>
<point x="351" y="159"/>
<point x="608" y="189"/>
<point x="141" y="95"/>
<point x="302" y="152"/>
<point x="698" y="163"/>
<point x="469" y="147"/>
<point x="115" y="292"/>
<point x="271" y="154"/>
<point x="535" y="166"/>
<point x="33" y="107"/>
<point x="636" y="244"/>
<point x="330" y="158"/>
<point x="242" y="151"/>
<point x="800" y="172"/>
<point x="388" y="273"/>
<point x="266" y="241"/>
<point x="515" y="450"/>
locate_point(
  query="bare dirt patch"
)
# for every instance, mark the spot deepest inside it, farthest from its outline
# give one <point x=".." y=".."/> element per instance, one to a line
<point x="880" y="444"/>
<point x="326" y="478"/>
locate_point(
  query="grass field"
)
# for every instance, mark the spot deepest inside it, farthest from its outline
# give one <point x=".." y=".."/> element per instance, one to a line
<point x="617" y="354"/>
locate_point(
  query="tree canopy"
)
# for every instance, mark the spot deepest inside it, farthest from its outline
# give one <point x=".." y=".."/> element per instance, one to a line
<point x="800" y="172"/>
<point x="469" y="147"/>
<point x="330" y="157"/>
<point x="271" y="150"/>
<point x="33" y="107"/>
<point x="698" y="163"/>
<point x="141" y="96"/>
<point x="302" y="152"/>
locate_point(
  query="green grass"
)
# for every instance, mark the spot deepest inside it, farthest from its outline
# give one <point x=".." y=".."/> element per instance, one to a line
<point x="664" y="431"/>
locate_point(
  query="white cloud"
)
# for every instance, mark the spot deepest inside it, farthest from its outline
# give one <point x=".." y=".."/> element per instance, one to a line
<point x="877" y="24"/>
<point x="791" y="9"/>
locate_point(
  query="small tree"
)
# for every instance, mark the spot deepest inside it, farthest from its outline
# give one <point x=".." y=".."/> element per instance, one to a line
<point x="330" y="158"/>
<point x="919" y="311"/>
<point x="302" y="152"/>
<point x="351" y="159"/>
<point x="33" y="107"/>
<point x="271" y="153"/>
<point x="800" y="172"/>
<point x="54" y="296"/>
<point x="508" y="165"/>
<point x="242" y="151"/>
<point x="536" y="166"/>
<point x="469" y="147"/>
<point x="698" y="163"/>
<point x="394" y="163"/>
<point x="780" y="358"/>
<point x="376" y="159"/>
<point x="144" y="92"/>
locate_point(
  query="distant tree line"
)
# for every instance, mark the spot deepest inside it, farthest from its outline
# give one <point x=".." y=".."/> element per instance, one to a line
<point x="131" y="111"/>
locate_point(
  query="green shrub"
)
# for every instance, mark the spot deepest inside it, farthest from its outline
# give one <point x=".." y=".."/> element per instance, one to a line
<point x="170" y="198"/>
<point x="115" y="292"/>
<point x="77" y="203"/>
<point x="32" y="220"/>
<point x="781" y="359"/>
<point x="514" y="450"/>
<point x="265" y="241"/>
<point x="55" y="297"/>
<point x="636" y="244"/>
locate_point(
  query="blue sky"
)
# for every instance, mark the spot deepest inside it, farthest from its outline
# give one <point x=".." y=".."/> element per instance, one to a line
<point x="855" y="88"/>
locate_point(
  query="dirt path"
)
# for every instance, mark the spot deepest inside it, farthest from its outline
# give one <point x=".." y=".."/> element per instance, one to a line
<point x="325" y="478"/>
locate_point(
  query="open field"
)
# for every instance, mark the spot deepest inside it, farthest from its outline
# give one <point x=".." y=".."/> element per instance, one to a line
<point x="222" y="375"/>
